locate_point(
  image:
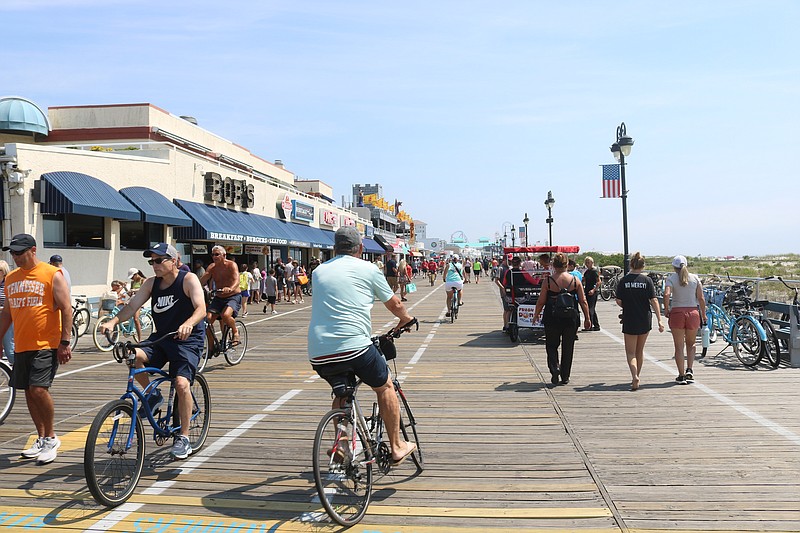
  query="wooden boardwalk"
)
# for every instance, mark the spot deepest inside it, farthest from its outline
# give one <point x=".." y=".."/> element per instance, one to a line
<point x="504" y="450"/>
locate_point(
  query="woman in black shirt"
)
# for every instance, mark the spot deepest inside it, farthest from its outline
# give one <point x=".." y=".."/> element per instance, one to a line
<point x="636" y="294"/>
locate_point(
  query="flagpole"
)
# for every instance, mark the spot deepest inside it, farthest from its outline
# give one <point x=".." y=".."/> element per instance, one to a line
<point x="620" y="149"/>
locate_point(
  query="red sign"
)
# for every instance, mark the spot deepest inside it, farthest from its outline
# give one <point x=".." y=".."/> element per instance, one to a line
<point x="286" y="204"/>
<point x="329" y="218"/>
<point x="347" y="221"/>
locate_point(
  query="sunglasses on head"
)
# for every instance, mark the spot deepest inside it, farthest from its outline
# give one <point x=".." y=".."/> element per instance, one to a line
<point x="158" y="260"/>
<point x="14" y="252"/>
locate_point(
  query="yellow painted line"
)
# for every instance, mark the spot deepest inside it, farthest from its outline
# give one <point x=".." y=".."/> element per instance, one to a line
<point x="383" y="510"/>
<point x="68" y="518"/>
<point x="74" y="440"/>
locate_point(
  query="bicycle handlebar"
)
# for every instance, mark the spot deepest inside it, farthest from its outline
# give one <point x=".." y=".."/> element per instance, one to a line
<point x="123" y="349"/>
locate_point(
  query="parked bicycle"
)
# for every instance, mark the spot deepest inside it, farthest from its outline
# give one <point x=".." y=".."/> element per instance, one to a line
<point x="737" y="301"/>
<point x="81" y="317"/>
<point x="232" y="350"/>
<point x="106" y="343"/>
<point x="608" y="287"/>
<point x="740" y="330"/>
<point x="115" y="445"/>
<point x="7" y="392"/>
<point x="344" y="480"/>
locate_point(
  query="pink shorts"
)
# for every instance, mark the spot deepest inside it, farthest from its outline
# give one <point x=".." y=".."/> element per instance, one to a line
<point x="684" y="318"/>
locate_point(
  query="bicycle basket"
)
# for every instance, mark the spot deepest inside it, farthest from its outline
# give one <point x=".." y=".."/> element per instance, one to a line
<point x="387" y="348"/>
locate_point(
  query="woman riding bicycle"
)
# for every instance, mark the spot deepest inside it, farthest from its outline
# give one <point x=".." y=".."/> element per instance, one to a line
<point x="453" y="279"/>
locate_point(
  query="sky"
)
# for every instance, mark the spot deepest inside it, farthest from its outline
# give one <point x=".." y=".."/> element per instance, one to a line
<point x="468" y="112"/>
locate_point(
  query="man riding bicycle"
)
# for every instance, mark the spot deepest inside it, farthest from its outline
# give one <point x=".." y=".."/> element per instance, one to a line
<point x="340" y="332"/>
<point x="453" y="279"/>
<point x="178" y="304"/>
<point x="227" y="300"/>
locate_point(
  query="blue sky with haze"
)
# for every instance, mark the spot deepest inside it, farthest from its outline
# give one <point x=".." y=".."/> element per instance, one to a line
<point x="468" y="112"/>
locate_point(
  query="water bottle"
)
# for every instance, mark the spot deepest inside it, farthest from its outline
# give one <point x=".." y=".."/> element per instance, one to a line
<point x="706" y="335"/>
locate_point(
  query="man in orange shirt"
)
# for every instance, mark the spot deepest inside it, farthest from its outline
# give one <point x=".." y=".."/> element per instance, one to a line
<point x="38" y="303"/>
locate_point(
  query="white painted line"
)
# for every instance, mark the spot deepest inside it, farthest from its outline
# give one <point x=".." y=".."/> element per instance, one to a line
<point x="65" y="374"/>
<point x="204" y="455"/>
<point x="794" y="438"/>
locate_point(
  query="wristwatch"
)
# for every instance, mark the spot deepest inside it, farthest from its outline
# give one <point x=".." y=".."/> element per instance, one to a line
<point x="64" y="343"/>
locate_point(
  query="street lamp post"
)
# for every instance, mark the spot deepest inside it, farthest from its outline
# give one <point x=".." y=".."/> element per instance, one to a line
<point x="513" y="229"/>
<point x="622" y="149"/>
<point x="527" y="236"/>
<point x="549" y="203"/>
<point x="508" y="226"/>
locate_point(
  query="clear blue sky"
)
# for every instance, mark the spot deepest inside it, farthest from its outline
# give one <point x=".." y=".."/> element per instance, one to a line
<point x="466" y="111"/>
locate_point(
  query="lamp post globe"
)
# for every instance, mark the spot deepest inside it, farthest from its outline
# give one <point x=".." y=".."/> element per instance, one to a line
<point x="549" y="203"/>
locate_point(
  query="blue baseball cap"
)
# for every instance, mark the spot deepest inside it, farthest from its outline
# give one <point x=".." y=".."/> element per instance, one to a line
<point x="162" y="248"/>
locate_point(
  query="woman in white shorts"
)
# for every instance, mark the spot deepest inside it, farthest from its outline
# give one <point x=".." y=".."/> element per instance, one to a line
<point x="453" y="278"/>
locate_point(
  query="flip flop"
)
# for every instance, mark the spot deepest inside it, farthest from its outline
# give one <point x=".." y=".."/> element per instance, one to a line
<point x="406" y="456"/>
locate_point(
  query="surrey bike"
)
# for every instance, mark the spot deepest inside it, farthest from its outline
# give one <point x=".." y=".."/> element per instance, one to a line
<point x="347" y="443"/>
<point x="232" y="350"/>
<point x="115" y="445"/>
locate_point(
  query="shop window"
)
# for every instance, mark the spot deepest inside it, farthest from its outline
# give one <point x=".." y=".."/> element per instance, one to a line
<point x="82" y="231"/>
<point x="139" y="235"/>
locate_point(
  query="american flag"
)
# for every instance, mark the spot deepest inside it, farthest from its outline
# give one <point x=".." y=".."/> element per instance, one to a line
<point x="611" y="181"/>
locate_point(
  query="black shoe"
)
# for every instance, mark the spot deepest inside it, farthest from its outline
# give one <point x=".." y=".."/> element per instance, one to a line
<point x="554" y="379"/>
<point x="596" y="328"/>
<point x="565" y="381"/>
<point x="681" y="380"/>
<point x="265" y="310"/>
<point x="689" y="375"/>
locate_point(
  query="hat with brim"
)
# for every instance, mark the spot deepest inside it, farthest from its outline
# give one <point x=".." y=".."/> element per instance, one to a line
<point x="20" y="242"/>
<point x="161" y="248"/>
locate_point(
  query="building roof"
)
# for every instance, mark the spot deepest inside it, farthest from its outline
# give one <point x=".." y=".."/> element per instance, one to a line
<point x="19" y="114"/>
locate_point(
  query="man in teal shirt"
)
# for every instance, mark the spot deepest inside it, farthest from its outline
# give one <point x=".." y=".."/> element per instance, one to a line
<point x="340" y="332"/>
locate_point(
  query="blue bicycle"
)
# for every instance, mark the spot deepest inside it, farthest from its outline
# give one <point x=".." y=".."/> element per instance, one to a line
<point x="106" y="343"/>
<point x="114" y="453"/>
<point x="741" y="331"/>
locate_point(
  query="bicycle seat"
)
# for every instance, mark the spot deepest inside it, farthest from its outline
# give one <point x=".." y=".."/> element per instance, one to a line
<point x="79" y="301"/>
<point x="343" y="385"/>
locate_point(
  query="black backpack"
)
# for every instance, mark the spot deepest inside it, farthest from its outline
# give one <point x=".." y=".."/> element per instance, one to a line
<point x="565" y="305"/>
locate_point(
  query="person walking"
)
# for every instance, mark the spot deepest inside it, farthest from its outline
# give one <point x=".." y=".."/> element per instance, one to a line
<point x="339" y="334"/>
<point x="58" y="262"/>
<point x="402" y="278"/>
<point x="271" y="290"/>
<point x="280" y="276"/>
<point x="591" y="284"/>
<point x="477" y="267"/>
<point x="8" y="338"/>
<point x="391" y="272"/>
<point x="560" y="293"/>
<point x="255" y="285"/>
<point x="683" y="295"/>
<point x="39" y="306"/>
<point x="136" y="278"/>
<point x="636" y="295"/>
<point x="245" y="282"/>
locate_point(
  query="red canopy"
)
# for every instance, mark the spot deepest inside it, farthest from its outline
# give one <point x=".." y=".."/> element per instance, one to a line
<point x="542" y="249"/>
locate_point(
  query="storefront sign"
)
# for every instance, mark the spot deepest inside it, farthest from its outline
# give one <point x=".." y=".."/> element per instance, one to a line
<point x="348" y="221"/>
<point x="255" y="249"/>
<point x="229" y="191"/>
<point x="233" y="237"/>
<point x="232" y="249"/>
<point x="199" y="249"/>
<point x="328" y="218"/>
<point x="301" y="211"/>
<point x="284" y="207"/>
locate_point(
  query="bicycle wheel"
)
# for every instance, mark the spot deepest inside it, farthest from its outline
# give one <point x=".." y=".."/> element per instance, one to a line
<point x="100" y="340"/>
<point x="235" y="353"/>
<point x="73" y="341"/>
<point x="146" y="320"/>
<point x="82" y="319"/>
<point x="772" y="348"/>
<point x="344" y="485"/>
<point x="746" y="342"/>
<point x="204" y="355"/>
<point x="513" y="331"/>
<point x="112" y="470"/>
<point x="201" y="413"/>
<point x="408" y="422"/>
<point x="606" y="291"/>
<point x="7" y="392"/>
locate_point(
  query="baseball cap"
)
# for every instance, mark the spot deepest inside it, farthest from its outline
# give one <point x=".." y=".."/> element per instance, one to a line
<point x="679" y="261"/>
<point x="19" y="242"/>
<point x="346" y="238"/>
<point x="161" y="248"/>
<point x="456" y="257"/>
<point x="56" y="259"/>
<point x="132" y="271"/>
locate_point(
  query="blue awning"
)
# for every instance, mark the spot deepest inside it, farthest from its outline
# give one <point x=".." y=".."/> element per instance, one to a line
<point x="73" y="192"/>
<point x="321" y="238"/>
<point x="296" y="234"/>
<point x="212" y="223"/>
<point x="155" y="207"/>
<point x="372" y="247"/>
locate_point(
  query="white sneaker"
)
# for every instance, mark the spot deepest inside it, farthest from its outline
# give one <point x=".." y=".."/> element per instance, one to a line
<point x="49" y="453"/>
<point x="34" y="450"/>
<point x="274" y="312"/>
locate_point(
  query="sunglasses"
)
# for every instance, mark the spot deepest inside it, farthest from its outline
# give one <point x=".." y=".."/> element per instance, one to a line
<point x="18" y="253"/>
<point x="216" y="254"/>
<point x="158" y="260"/>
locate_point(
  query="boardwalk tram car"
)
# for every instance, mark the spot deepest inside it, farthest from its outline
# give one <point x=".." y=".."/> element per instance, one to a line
<point x="522" y="288"/>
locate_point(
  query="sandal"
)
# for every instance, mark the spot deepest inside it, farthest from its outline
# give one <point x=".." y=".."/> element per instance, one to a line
<point x="400" y="461"/>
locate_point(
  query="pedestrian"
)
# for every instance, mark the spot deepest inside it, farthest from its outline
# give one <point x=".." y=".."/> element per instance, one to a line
<point x="245" y="282"/>
<point x="58" y="262"/>
<point x="572" y="268"/>
<point x="499" y="279"/>
<point x="262" y="286"/>
<point x="297" y="270"/>
<point x="271" y="290"/>
<point x="136" y="278"/>
<point x="686" y="292"/>
<point x="340" y="331"/>
<point x="390" y="269"/>
<point x="636" y="294"/>
<point x="289" y="281"/>
<point x="591" y="284"/>
<point x="477" y="266"/>
<point x="255" y="286"/>
<point x="280" y="275"/>
<point x="8" y="338"/>
<point x="181" y="265"/>
<point x="199" y="269"/>
<point x="561" y="292"/>
<point x="529" y="265"/>
<point x="39" y="306"/>
<point x="466" y="268"/>
<point x="402" y="278"/>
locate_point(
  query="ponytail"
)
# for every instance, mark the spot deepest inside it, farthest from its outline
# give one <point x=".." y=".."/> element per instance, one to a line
<point x="637" y="261"/>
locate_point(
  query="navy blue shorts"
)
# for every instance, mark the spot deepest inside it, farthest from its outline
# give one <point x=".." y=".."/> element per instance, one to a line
<point x="182" y="356"/>
<point x="36" y="367"/>
<point x="370" y="366"/>
<point x="218" y="304"/>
